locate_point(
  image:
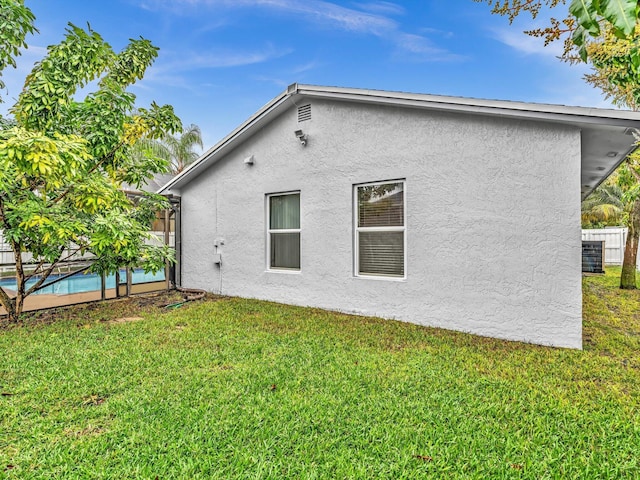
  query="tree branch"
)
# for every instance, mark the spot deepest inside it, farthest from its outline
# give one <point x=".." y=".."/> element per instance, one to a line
<point x="108" y="156"/>
<point x="44" y="276"/>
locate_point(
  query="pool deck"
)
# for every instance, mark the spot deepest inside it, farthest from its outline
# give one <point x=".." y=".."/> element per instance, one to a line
<point x="45" y="300"/>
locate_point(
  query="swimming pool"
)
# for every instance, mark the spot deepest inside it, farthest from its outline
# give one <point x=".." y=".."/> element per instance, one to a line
<point x="82" y="282"/>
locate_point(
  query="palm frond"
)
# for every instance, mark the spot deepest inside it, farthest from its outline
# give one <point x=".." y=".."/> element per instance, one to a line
<point x="181" y="147"/>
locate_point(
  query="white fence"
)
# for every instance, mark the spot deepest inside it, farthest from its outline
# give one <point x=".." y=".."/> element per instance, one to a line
<point x="614" y="241"/>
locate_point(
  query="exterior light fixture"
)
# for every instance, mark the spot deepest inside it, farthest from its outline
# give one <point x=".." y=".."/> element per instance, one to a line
<point x="248" y="160"/>
<point x="300" y="135"/>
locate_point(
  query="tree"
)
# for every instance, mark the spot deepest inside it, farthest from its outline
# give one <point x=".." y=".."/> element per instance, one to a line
<point x="584" y="21"/>
<point x="63" y="161"/>
<point x="606" y="33"/>
<point x="180" y="148"/>
<point x="615" y="64"/>
<point x="604" y="207"/>
<point x="629" y="181"/>
<point x="17" y="23"/>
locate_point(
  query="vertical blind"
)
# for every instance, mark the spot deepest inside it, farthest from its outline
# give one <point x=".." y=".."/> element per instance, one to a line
<point x="285" y="250"/>
<point x="284" y="245"/>
<point x="284" y="212"/>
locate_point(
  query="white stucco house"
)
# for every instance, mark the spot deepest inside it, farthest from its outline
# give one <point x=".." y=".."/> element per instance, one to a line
<point x="449" y="212"/>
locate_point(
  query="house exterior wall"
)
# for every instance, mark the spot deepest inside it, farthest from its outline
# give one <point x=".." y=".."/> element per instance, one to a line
<point x="493" y="219"/>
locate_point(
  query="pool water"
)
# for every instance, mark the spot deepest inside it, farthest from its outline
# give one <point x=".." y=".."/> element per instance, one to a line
<point x="81" y="282"/>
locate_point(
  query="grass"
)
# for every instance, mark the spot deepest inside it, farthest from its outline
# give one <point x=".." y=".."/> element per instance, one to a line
<point x="246" y="389"/>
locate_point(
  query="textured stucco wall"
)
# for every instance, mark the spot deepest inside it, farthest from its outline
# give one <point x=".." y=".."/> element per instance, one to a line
<point x="493" y="229"/>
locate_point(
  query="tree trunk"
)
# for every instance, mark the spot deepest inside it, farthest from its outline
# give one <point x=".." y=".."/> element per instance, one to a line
<point x="628" y="277"/>
<point x="9" y="305"/>
<point x="14" y="306"/>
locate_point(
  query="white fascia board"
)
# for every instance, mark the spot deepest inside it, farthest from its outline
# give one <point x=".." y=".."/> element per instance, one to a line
<point x="534" y="111"/>
<point x="227" y="143"/>
<point x="576" y="116"/>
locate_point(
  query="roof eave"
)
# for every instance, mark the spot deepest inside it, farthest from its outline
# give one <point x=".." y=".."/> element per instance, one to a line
<point x="227" y="143"/>
<point x="576" y="116"/>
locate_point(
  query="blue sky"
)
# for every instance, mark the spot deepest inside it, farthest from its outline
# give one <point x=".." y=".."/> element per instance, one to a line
<point x="221" y="60"/>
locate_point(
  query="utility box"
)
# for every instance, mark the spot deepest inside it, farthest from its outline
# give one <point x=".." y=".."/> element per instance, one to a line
<point x="217" y="258"/>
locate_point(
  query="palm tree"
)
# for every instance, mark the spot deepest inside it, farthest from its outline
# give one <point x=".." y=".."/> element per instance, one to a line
<point x="180" y="148"/>
<point x="604" y="206"/>
<point x="618" y="200"/>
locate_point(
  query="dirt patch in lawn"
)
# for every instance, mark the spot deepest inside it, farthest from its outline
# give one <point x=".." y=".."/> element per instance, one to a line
<point x="119" y="310"/>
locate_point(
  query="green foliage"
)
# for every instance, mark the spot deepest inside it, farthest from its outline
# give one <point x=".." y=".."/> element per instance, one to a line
<point x="622" y="14"/>
<point x="605" y="207"/>
<point x="62" y="162"/>
<point x="585" y="21"/>
<point x="16" y="22"/>
<point x="235" y="388"/>
<point x="616" y="68"/>
<point x="177" y="149"/>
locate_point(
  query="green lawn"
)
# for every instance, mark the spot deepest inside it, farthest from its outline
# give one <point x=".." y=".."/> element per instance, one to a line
<point x="247" y="389"/>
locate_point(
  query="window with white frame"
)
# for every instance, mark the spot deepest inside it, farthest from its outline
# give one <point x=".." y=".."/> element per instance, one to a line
<point x="380" y="229"/>
<point x="283" y="231"/>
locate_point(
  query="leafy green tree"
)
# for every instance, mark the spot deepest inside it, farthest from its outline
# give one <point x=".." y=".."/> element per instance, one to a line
<point x="615" y="64"/>
<point x="17" y="22"/>
<point x="604" y="207"/>
<point x="63" y="161"/>
<point x="180" y="148"/>
<point x="629" y="181"/>
<point x="606" y="33"/>
<point x="584" y="21"/>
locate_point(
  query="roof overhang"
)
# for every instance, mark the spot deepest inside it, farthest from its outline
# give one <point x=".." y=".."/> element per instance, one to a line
<point x="606" y="133"/>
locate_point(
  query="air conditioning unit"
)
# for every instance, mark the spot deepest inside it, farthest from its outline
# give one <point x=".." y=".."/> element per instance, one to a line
<point x="592" y="256"/>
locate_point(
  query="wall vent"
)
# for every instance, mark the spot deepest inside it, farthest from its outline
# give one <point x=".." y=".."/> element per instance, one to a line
<point x="304" y="113"/>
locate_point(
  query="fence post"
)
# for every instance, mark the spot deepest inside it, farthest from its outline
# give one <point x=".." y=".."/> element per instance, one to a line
<point x="129" y="281"/>
<point x="167" y="241"/>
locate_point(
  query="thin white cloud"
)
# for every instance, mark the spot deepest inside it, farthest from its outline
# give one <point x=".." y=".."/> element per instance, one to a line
<point x="437" y="31"/>
<point x="335" y="15"/>
<point x="422" y="47"/>
<point x="319" y="10"/>
<point x="278" y="82"/>
<point x="221" y="59"/>
<point x="211" y="25"/>
<point x="372" y="19"/>
<point x="173" y="72"/>
<point x="306" y="67"/>
<point x="527" y="44"/>
<point x="385" y="8"/>
<point x="513" y="35"/>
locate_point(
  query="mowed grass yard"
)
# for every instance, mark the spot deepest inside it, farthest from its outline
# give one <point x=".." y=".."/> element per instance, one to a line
<point x="235" y="388"/>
